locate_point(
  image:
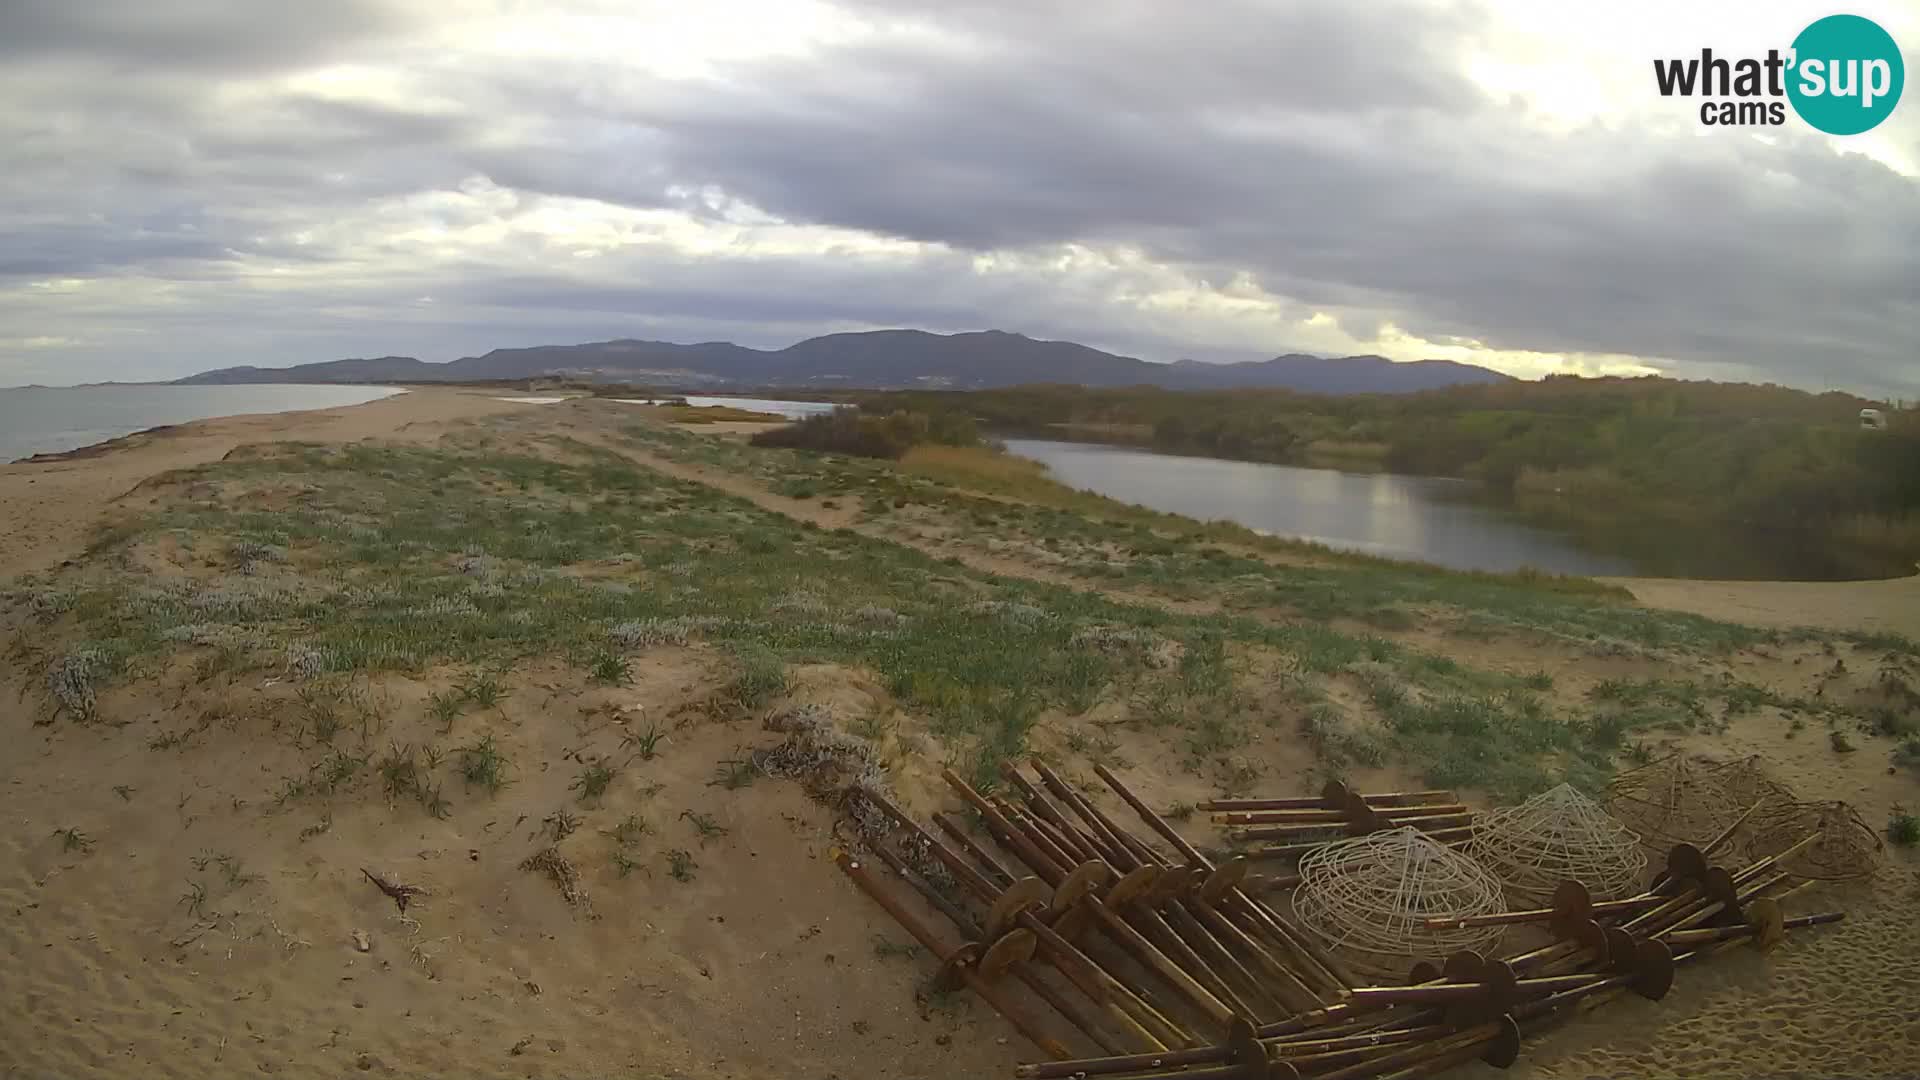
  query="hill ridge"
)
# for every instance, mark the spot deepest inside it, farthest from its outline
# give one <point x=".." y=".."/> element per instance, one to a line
<point x="901" y="358"/>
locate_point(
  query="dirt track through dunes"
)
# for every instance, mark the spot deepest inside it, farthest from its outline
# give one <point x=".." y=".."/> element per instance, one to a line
<point x="847" y="517"/>
<point x="1892" y="605"/>
<point x="1863" y="606"/>
<point x="48" y="509"/>
<point x="761" y="960"/>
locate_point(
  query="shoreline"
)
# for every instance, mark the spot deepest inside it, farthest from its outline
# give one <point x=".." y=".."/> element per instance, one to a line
<point x="51" y="506"/>
<point x="241" y="409"/>
<point x="1619" y="550"/>
<point x="104" y="446"/>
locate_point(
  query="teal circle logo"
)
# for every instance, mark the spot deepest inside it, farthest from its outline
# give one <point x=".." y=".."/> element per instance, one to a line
<point x="1847" y="74"/>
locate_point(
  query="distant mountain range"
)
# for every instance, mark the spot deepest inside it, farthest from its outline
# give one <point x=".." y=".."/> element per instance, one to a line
<point x="880" y="359"/>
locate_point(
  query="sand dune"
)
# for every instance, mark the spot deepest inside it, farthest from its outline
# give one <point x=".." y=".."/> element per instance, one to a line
<point x="206" y="925"/>
<point x="1830" y="605"/>
<point x="47" y="508"/>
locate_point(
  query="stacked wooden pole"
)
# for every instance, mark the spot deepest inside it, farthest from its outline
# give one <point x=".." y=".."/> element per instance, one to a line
<point x="1117" y="944"/>
<point x="1295" y="826"/>
<point x="1135" y="957"/>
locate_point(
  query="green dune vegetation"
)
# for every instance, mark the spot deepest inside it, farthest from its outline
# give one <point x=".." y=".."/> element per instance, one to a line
<point x="1767" y="464"/>
<point x="874" y="434"/>
<point x="1004" y="613"/>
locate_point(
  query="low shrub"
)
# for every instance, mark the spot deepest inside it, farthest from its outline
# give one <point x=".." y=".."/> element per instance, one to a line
<point x="850" y="431"/>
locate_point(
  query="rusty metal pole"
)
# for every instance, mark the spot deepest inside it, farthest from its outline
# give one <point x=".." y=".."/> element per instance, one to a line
<point x="1770" y="861"/>
<point x="1071" y="846"/>
<point x="1024" y="972"/>
<point x="1043" y="806"/>
<point x="1191" y="932"/>
<point x="1717" y="904"/>
<point x="1334" y="830"/>
<point x="1016" y="841"/>
<point x="1141" y="950"/>
<point x="1503" y="1030"/>
<point x="1397" y="814"/>
<point x="1307" y="802"/>
<point x="1071" y="841"/>
<point x="1706" y="891"/>
<point x="1140" y="1019"/>
<point x="988" y="992"/>
<point x="962" y="870"/>
<point x="1293" y="993"/>
<point x="1042" y="864"/>
<point x="1453" y="838"/>
<point x="1041" y="841"/>
<point x="1114" y="1000"/>
<point x="988" y="864"/>
<point x="1064" y="1070"/>
<point x="1352" y="1017"/>
<point x="1712" y="935"/>
<point x="1452" y="993"/>
<point x="1719" y="841"/>
<point x="1322" y="966"/>
<point x="1128" y="1063"/>
<point x="1184" y="909"/>
<point x="1583" y="909"/>
<point x="1186" y="929"/>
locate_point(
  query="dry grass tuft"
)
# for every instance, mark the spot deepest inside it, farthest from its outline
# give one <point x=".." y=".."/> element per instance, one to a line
<point x="550" y="862"/>
<point x="822" y="758"/>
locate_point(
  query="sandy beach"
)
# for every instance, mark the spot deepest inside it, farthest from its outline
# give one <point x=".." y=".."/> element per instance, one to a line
<point x="204" y="927"/>
<point x="50" y="507"/>
<point x="1892" y="606"/>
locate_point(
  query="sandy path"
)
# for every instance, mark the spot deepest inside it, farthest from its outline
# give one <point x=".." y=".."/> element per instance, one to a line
<point x="846" y="517"/>
<point x="1892" y="605"/>
<point x="48" y="509"/>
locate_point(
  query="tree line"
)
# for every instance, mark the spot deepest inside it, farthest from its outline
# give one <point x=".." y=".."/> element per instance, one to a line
<point x="1770" y="459"/>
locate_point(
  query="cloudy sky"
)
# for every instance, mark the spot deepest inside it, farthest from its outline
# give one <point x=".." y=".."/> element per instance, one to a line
<point x="187" y="184"/>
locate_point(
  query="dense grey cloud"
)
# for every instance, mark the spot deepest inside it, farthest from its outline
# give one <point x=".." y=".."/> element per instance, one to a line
<point x="1437" y="209"/>
<point x="1133" y="175"/>
<point x="198" y="36"/>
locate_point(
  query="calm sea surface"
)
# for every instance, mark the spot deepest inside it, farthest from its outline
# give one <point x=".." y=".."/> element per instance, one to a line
<point x="47" y="420"/>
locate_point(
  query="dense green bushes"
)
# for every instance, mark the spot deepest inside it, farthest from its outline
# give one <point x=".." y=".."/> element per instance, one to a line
<point x="878" y="435"/>
<point x="1251" y="438"/>
<point x="1731" y="457"/>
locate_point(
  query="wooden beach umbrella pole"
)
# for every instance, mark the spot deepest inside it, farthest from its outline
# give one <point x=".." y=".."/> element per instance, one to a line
<point x="979" y="984"/>
<point x="1076" y="1014"/>
<point x="1015" y="907"/>
<point x="1169" y="910"/>
<point x="1316" y="963"/>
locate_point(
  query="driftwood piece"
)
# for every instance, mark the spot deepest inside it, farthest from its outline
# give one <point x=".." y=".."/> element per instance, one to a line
<point x="402" y="894"/>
